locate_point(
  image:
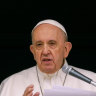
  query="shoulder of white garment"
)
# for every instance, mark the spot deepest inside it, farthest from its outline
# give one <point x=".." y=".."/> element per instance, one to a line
<point x="17" y="81"/>
<point x="22" y="74"/>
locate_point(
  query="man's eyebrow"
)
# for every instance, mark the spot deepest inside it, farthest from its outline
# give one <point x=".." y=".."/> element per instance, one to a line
<point x="52" y="40"/>
<point x="39" y="41"/>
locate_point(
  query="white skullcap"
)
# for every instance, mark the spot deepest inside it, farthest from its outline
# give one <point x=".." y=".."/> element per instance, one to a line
<point x="53" y="22"/>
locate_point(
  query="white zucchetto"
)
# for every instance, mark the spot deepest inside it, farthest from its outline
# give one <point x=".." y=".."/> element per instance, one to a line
<point x="53" y="22"/>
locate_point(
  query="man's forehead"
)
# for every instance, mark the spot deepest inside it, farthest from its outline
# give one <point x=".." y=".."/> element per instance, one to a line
<point x="49" y="36"/>
<point x="47" y="30"/>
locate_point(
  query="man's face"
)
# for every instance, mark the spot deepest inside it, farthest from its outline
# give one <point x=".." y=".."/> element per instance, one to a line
<point x="48" y="47"/>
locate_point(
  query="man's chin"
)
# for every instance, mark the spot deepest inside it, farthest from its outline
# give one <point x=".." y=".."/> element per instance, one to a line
<point x="49" y="70"/>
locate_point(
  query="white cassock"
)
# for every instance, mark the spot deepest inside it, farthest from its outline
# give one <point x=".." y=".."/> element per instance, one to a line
<point x="16" y="84"/>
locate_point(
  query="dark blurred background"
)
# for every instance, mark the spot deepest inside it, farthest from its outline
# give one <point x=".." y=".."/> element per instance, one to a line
<point x="15" y="34"/>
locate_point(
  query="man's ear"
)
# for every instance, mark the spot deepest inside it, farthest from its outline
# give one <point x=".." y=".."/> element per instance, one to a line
<point x="32" y="49"/>
<point x="68" y="47"/>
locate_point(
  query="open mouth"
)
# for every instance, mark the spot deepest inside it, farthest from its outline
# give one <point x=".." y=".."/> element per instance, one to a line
<point x="47" y="60"/>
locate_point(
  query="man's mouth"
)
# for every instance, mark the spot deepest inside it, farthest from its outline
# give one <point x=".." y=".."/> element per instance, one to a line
<point x="47" y="60"/>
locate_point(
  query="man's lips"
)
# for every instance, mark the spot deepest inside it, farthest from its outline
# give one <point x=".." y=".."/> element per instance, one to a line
<point x="46" y="60"/>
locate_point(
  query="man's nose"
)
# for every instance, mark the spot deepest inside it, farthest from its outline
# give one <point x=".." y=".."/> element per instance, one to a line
<point x="45" y="50"/>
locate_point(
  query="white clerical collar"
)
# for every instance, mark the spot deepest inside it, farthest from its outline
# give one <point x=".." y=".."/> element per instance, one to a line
<point x="45" y="75"/>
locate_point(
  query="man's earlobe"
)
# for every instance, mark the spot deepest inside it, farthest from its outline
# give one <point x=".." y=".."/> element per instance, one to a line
<point x="68" y="47"/>
<point x="32" y="49"/>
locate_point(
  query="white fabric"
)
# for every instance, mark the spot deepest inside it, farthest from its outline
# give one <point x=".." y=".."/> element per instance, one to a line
<point x="47" y="81"/>
<point x="16" y="84"/>
<point x="53" y="22"/>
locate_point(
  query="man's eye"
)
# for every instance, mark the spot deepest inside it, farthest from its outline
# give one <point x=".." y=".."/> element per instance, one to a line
<point x="38" y="44"/>
<point x="52" y="43"/>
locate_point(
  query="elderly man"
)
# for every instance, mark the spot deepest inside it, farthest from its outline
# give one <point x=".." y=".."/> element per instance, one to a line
<point x="50" y="48"/>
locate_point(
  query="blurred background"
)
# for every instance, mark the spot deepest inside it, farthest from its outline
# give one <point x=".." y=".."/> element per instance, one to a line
<point x="15" y="34"/>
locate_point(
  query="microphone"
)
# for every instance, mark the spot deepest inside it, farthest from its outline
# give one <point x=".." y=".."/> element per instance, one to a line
<point x="69" y="70"/>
